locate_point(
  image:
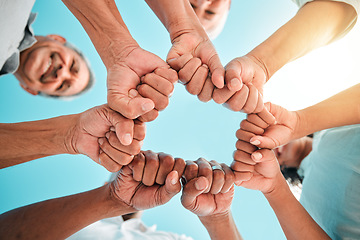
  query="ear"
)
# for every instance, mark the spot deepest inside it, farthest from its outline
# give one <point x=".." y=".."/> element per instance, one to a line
<point x="29" y="90"/>
<point x="57" y="38"/>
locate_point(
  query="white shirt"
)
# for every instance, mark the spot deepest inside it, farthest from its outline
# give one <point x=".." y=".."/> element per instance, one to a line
<point x="14" y="15"/>
<point x="116" y="229"/>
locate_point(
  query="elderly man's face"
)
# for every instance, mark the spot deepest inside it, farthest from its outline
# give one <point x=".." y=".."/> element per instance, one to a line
<point x="52" y="68"/>
<point x="210" y="12"/>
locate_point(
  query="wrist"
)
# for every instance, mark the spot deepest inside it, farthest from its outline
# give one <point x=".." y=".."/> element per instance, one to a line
<point x="115" y="205"/>
<point x="215" y="218"/>
<point x="302" y="127"/>
<point x="71" y="133"/>
<point x="278" y="188"/>
<point x="262" y="64"/>
<point x="117" y="51"/>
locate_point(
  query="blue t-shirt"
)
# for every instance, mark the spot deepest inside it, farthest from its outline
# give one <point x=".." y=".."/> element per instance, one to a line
<point x="331" y="186"/>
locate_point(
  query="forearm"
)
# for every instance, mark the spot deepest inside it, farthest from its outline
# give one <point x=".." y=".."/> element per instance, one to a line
<point x="177" y="16"/>
<point x="338" y="110"/>
<point x="25" y="141"/>
<point x="105" y="27"/>
<point x="221" y="227"/>
<point x="61" y="217"/>
<point x="316" y="24"/>
<point x="294" y="219"/>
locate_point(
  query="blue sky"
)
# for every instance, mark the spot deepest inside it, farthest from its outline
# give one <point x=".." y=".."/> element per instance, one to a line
<point x="188" y="128"/>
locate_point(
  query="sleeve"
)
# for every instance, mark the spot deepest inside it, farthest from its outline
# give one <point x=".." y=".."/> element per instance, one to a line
<point x="354" y="3"/>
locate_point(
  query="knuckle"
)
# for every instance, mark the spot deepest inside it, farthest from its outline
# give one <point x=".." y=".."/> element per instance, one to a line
<point x="204" y="98"/>
<point x="237" y="155"/>
<point x="169" y="89"/>
<point x="238" y="133"/>
<point x="135" y="148"/>
<point x="167" y="160"/>
<point x="163" y="103"/>
<point x="138" y="161"/>
<point x="235" y="166"/>
<point x="153" y="162"/>
<point x="126" y="159"/>
<point x="180" y="162"/>
<point x="218" y="174"/>
<point x="244" y="124"/>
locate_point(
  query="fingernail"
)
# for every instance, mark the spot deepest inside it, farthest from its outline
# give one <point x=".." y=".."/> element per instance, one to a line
<point x="112" y="129"/>
<point x="127" y="139"/>
<point x="235" y="84"/>
<point x="257" y="155"/>
<point x="101" y="141"/>
<point x="147" y="106"/>
<point x="133" y="93"/>
<point x="255" y="142"/>
<point x="238" y="183"/>
<point x="107" y="135"/>
<point x="173" y="181"/>
<point x="200" y="185"/>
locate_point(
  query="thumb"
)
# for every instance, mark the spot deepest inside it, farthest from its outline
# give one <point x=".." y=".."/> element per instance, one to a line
<point x="177" y="62"/>
<point x="217" y="72"/>
<point x="232" y="77"/>
<point x="264" y="142"/>
<point x="124" y="128"/>
<point x="192" y="190"/>
<point x="171" y="188"/>
<point x="131" y="105"/>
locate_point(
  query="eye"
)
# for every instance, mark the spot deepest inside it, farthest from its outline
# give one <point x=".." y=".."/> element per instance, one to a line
<point x="72" y="65"/>
<point x="61" y="86"/>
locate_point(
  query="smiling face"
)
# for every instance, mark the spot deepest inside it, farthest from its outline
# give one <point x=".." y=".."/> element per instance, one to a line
<point x="210" y="12"/>
<point x="51" y="68"/>
<point x="291" y="154"/>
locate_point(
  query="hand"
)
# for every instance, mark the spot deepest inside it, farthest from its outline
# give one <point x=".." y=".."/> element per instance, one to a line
<point x="193" y="56"/>
<point x="150" y="180"/>
<point x="265" y="134"/>
<point x="123" y="82"/>
<point x="247" y="70"/>
<point x="262" y="163"/>
<point x="158" y="86"/>
<point x="94" y="125"/>
<point x="207" y="192"/>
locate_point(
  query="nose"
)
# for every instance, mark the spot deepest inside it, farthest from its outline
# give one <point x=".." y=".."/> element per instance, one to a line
<point x="58" y="74"/>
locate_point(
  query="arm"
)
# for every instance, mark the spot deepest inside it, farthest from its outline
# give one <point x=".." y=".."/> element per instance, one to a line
<point x="22" y="142"/>
<point x="221" y="227"/>
<point x="61" y="217"/>
<point x="294" y="219"/>
<point x="208" y="193"/>
<point x="316" y="24"/>
<point x="267" y="178"/>
<point x="72" y="134"/>
<point x="123" y="195"/>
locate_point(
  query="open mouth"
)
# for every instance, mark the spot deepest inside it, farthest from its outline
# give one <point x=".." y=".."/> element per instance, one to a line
<point x="47" y="69"/>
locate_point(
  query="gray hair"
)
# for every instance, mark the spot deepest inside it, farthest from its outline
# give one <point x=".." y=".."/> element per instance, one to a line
<point x="91" y="76"/>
